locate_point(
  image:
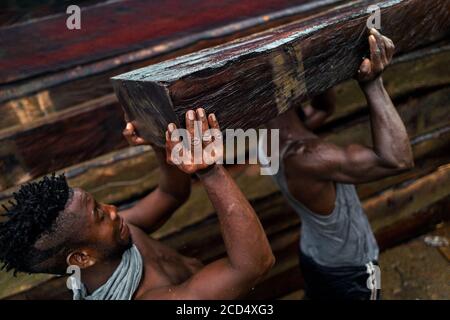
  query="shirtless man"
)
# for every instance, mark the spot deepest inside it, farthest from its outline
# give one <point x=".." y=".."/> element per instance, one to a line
<point x="338" y="251"/>
<point x="52" y="226"/>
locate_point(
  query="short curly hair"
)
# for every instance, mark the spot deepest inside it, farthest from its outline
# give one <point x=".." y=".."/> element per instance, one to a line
<point x="33" y="213"/>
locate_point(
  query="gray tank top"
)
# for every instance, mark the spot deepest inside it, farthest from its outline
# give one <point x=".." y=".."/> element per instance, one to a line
<point x="343" y="238"/>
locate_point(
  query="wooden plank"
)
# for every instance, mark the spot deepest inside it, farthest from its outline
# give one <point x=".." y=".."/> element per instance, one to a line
<point x="248" y="82"/>
<point x="419" y="194"/>
<point x="14" y="12"/>
<point x="94" y="128"/>
<point x="107" y="175"/>
<point x="60" y="140"/>
<point x="172" y="27"/>
<point x="425" y="68"/>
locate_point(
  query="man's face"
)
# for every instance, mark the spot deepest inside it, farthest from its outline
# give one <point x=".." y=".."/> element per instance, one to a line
<point x="105" y="232"/>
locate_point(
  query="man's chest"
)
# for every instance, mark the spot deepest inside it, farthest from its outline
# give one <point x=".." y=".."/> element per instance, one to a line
<point x="163" y="266"/>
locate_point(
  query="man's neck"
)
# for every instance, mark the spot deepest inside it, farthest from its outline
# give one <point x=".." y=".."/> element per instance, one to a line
<point x="290" y="126"/>
<point x="97" y="275"/>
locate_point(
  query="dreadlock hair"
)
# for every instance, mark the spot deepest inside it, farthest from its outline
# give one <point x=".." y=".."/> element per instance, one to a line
<point x="33" y="213"/>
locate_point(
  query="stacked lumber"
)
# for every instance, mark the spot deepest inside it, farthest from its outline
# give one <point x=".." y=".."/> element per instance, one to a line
<point x="249" y="81"/>
<point x="57" y="90"/>
<point x="63" y="115"/>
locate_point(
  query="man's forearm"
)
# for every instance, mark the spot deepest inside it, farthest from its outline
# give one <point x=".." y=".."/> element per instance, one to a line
<point x="172" y="180"/>
<point x="390" y="139"/>
<point x="246" y="243"/>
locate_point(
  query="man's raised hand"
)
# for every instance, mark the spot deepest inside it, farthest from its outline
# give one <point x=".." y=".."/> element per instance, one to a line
<point x="381" y="51"/>
<point x="203" y="145"/>
<point x="131" y="136"/>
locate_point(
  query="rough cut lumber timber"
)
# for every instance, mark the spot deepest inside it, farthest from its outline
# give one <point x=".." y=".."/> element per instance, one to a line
<point x="424" y="68"/>
<point x="14" y="12"/>
<point x="165" y="27"/>
<point x="249" y="81"/>
<point x="421" y="114"/>
<point x="73" y="136"/>
<point x="422" y="167"/>
<point x="88" y="119"/>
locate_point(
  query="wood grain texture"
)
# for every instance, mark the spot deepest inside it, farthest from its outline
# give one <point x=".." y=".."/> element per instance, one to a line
<point x="249" y="81"/>
<point x="94" y="128"/>
<point x="52" y="120"/>
<point x="426" y="67"/>
<point x="158" y="27"/>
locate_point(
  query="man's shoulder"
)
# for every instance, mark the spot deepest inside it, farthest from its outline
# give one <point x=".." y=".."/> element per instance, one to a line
<point x="311" y="158"/>
<point x="304" y="151"/>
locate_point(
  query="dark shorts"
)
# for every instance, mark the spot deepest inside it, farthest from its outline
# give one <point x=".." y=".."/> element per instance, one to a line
<point x="339" y="283"/>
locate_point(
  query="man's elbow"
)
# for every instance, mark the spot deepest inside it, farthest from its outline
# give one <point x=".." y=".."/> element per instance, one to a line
<point x="267" y="262"/>
<point x="404" y="164"/>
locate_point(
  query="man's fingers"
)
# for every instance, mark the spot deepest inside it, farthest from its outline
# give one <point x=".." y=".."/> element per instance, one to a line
<point x="201" y="116"/>
<point x="139" y="140"/>
<point x="129" y="129"/>
<point x="205" y="133"/>
<point x="190" y="122"/>
<point x="375" y="54"/>
<point x="172" y="137"/>
<point x="212" y="120"/>
<point x="365" y="67"/>
<point x="172" y="140"/>
<point x="390" y="48"/>
<point x="168" y="148"/>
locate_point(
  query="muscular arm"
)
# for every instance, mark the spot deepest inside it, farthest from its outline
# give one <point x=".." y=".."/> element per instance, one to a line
<point x="249" y="255"/>
<point x="390" y="139"/>
<point x="157" y="207"/>
<point x="391" y="151"/>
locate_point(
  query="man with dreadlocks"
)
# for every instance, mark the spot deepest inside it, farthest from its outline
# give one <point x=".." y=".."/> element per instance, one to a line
<point x="52" y="226"/>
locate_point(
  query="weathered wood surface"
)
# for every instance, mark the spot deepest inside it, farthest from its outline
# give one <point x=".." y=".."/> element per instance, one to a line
<point x="428" y="67"/>
<point x="166" y="26"/>
<point x="421" y="115"/>
<point x="100" y="121"/>
<point x="15" y="12"/>
<point x="281" y="225"/>
<point x="401" y="205"/>
<point x="249" y="81"/>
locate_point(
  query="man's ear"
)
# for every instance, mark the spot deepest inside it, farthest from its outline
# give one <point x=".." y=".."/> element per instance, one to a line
<point x="81" y="258"/>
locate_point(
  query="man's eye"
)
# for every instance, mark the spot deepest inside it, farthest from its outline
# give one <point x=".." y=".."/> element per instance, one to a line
<point x="99" y="212"/>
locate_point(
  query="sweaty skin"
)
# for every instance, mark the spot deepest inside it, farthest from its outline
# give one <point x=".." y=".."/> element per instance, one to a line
<point x="312" y="166"/>
<point x="167" y="274"/>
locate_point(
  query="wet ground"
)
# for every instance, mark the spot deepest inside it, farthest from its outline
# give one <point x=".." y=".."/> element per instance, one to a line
<point x="414" y="270"/>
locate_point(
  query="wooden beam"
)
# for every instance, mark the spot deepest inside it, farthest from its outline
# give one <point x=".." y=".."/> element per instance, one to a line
<point x="132" y="172"/>
<point x="94" y="128"/>
<point x="250" y="81"/>
<point x="64" y="55"/>
<point x="425" y="68"/>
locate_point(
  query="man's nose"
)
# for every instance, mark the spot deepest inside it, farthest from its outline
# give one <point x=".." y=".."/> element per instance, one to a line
<point x="112" y="211"/>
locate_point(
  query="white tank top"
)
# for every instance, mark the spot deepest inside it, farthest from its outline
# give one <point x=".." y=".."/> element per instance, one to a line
<point x="342" y="238"/>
